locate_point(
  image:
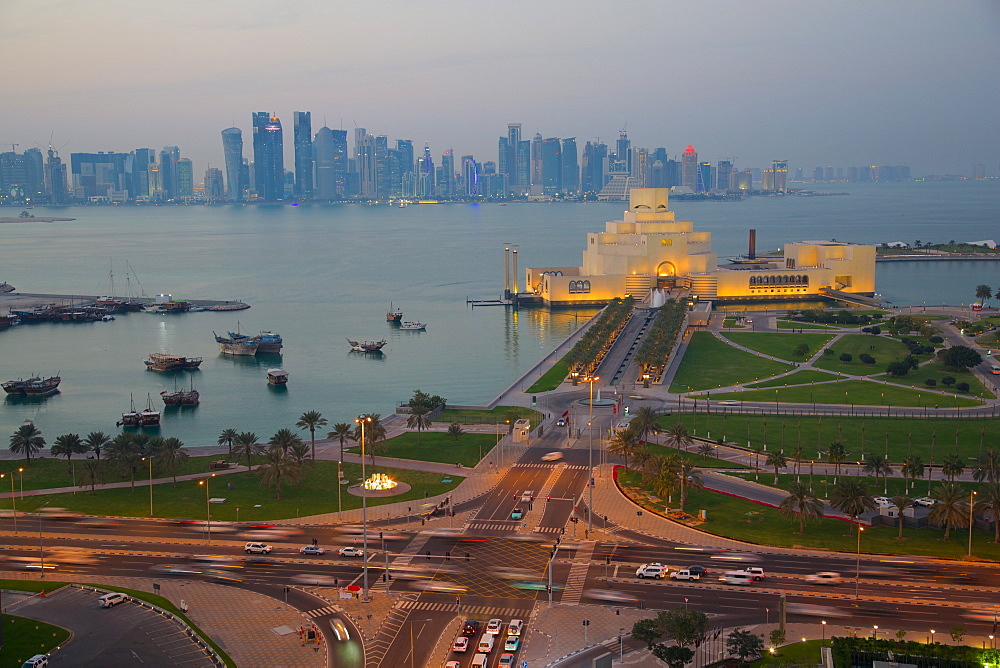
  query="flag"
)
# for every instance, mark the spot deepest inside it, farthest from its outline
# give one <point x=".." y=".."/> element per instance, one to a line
<point x="614" y="409"/>
<point x="566" y="414"/>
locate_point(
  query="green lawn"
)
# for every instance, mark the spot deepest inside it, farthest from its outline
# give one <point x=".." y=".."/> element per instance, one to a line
<point x="857" y="392"/>
<point x="791" y="324"/>
<point x="23" y="638"/>
<point x="930" y="438"/>
<point x="731" y="323"/>
<point x="798" y="378"/>
<point x="780" y="345"/>
<point x="884" y="350"/>
<point x="495" y="415"/>
<point x="436" y="446"/>
<point x="794" y="654"/>
<point x="552" y="378"/>
<point x="317" y="494"/>
<point x="822" y="485"/>
<point x="48" y="473"/>
<point x="755" y="523"/>
<point x="937" y="370"/>
<point x="49" y="586"/>
<point x="710" y="363"/>
<point x="693" y="456"/>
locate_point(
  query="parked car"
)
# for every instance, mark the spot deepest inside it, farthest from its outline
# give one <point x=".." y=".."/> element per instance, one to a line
<point x="461" y="644"/>
<point x="311" y="549"/>
<point x="824" y="577"/>
<point x="924" y="501"/>
<point x="113" y="599"/>
<point x="350" y="552"/>
<point x="257" y="548"/>
<point x="883" y="501"/>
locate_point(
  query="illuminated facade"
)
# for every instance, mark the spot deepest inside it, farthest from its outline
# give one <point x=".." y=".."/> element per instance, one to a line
<point x="648" y="249"/>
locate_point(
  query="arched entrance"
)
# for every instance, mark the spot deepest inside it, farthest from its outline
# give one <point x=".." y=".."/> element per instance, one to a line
<point x="666" y="275"/>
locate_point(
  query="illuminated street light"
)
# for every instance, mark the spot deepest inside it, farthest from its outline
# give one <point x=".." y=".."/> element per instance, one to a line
<point x="362" y="420"/>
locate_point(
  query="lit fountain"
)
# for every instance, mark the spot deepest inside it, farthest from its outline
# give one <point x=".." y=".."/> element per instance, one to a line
<point x="379" y="482"/>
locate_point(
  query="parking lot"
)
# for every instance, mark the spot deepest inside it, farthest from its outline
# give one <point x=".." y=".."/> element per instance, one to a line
<point x="126" y="634"/>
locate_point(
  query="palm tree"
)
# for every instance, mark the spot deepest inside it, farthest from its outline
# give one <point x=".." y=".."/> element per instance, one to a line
<point x="776" y="460"/>
<point x="851" y="497"/>
<point x="678" y="437"/>
<point x="310" y="420"/>
<point x="705" y="450"/>
<point x="902" y="502"/>
<point x="800" y="501"/>
<point x="96" y="441"/>
<point x="246" y="444"/>
<point x="989" y="505"/>
<point x="983" y="292"/>
<point x="67" y="445"/>
<point x="797" y="454"/>
<point x="93" y="470"/>
<point x="419" y="419"/>
<point x="836" y="456"/>
<point x="651" y="467"/>
<point x="227" y="437"/>
<point x="276" y="467"/>
<point x="341" y="431"/>
<point x="952" y="466"/>
<point x="169" y="451"/>
<point x="123" y="454"/>
<point x="641" y="457"/>
<point x="284" y="439"/>
<point x="299" y="453"/>
<point x="987" y="466"/>
<point x="645" y="422"/>
<point x="128" y="463"/>
<point x="951" y="508"/>
<point x="455" y="430"/>
<point x="27" y="439"/>
<point x="666" y="478"/>
<point x="912" y="468"/>
<point x="878" y="465"/>
<point x="689" y="478"/>
<point x="624" y="442"/>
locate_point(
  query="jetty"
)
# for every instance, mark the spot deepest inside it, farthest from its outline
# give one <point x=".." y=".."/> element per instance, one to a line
<point x="29" y="300"/>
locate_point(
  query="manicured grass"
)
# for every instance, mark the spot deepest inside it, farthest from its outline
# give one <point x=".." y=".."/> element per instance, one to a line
<point x="495" y="415"/>
<point x="780" y="345"/>
<point x="883" y="349"/>
<point x="23" y="638"/>
<point x="857" y="392"/>
<point x="798" y="378"/>
<point x="794" y="654"/>
<point x="49" y="586"/>
<point x="937" y="370"/>
<point x="791" y="324"/>
<point x="731" y="323"/>
<point x="930" y="438"/>
<point x="552" y="378"/>
<point x="436" y="446"/>
<point x="693" y="457"/>
<point x="710" y="363"/>
<point x="744" y="520"/>
<point x="317" y="494"/>
<point x="48" y="472"/>
<point x="822" y="485"/>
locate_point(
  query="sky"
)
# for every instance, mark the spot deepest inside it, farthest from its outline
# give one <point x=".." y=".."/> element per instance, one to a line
<point x="843" y="83"/>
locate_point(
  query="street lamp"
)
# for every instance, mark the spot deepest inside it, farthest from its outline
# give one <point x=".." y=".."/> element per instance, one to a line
<point x="411" y="622"/>
<point x="13" y="499"/>
<point x="41" y="552"/>
<point x="824" y="631"/>
<point x="972" y="495"/>
<point x="208" y="507"/>
<point x="150" y="484"/>
<point x="362" y="420"/>
<point x="590" y="514"/>
<point x="875" y="632"/>
<point x="932" y="636"/>
<point x="857" y="563"/>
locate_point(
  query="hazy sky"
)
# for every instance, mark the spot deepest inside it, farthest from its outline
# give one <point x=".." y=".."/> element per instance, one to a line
<point x="819" y="83"/>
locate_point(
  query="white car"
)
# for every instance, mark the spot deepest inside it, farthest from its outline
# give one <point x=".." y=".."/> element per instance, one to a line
<point x="883" y="501"/>
<point x="925" y="502"/>
<point x="311" y="549"/>
<point x="528" y="496"/>
<point x="756" y="572"/>
<point x="651" y="571"/>
<point x="485" y="644"/>
<point x="339" y="629"/>
<point x="350" y="552"/>
<point x="113" y="599"/>
<point x="494" y="626"/>
<point x="515" y="626"/>
<point x="552" y="457"/>
<point x="257" y="548"/>
<point x="824" y="577"/>
<point x="461" y="644"/>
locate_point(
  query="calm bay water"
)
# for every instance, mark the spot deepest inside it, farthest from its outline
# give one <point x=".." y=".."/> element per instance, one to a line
<point x="319" y="274"/>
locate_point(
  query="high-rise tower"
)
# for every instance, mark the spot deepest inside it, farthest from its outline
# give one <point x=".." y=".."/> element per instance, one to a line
<point x="232" y="151"/>
<point x="510" y="160"/>
<point x="689" y="168"/>
<point x="268" y="157"/>
<point x="331" y="163"/>
<point x="303" y="154"/>
<point x="570" y="167"/>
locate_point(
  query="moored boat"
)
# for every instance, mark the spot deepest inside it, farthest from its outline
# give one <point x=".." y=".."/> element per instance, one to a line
<point x="181" y="397"/>
<point x="35" y="386"/>
<point x="244" y="345"/>
<point x="366" y="346"/>
<point x="164" y="362"/>
<point x="277" y="376"/>
<point x="147" y="416"/>
<point x="393" y="315"/>
<point x="132" y="418"/>
<point x="413" y="326"/>
<point x="269" y="342"/>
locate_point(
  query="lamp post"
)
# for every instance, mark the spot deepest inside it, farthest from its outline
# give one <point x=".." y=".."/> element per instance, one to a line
<point x="208" y="506"/>
<point x="41" y="552"/>
<point x="824" y="632"/>
<point x="362" y="420"/>
<point x="590" y="514"/>
<point x="13" y="500"/>
<point x="411" y="622"/>
<point x="857" y="564"/>
<point x="150" y="484"/>
<point x="875" y="632"/>
<point x="972" y="495"/>
<point x="932" y="636"/>
<point x="340" y="477"/>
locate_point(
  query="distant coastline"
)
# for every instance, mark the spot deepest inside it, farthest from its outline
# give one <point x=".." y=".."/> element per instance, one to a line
<point x="34" y="219"/>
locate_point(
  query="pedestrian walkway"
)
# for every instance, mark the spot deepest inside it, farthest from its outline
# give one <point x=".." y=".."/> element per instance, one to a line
<point x="491" y="610"/>
<point x="575" y="582"/>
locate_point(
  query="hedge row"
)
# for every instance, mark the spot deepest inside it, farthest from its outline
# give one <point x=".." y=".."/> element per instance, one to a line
<point x="662" y="335"/>
<point x="588" y="352"/>
<point x="848" y="651"/>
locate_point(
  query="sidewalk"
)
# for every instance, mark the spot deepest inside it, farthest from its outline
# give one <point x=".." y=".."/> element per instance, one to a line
<point x="250" y="637"/>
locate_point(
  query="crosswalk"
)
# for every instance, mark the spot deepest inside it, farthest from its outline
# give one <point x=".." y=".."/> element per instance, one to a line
<point x="493" y="611"/>
<point x="575" y="582"/>
<point x="537" y="465"/>
<point x="492" y="526"/>
<point x="320" y="612"/>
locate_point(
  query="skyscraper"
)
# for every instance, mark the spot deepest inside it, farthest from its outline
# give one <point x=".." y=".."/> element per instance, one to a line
<point x="382" y="180"/>
<point x="168" y="171"/>
<point x="511" y="168"/>
<point x="214" y="190"/>
<point x="232" y="151"/>
<point x="595" y="155"/>
<point x="303" y="154"/>
<point x="470" y="176"/>
<point x="725" y="168"/>
<point x="446" y="179"/>
<point x="570" y="167"/>
<point x="405" y="148"/>
<point x="56" y="186"/>
<point x="705" y="174"/>
<point x="689" y="168"/>
<point x="536" y="160"/>
<point x="139" y="186"/>
<point x="551" y="166"/>
<point x="268" y="157"/>
<point x="331" y="163"/>
<point x="364" y="163"/>
<point x="185" y="178"/>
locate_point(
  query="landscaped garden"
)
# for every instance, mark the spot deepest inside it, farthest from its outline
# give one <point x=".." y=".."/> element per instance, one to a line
<point x="792" y="347"/>
<point x="847" y="351"/>
<point x="437" y="446"/>
<point x="856" y="392"/>
<point x="709" y="363"/>
<point x="803" y="377"/>
<point x="497" y="415"/>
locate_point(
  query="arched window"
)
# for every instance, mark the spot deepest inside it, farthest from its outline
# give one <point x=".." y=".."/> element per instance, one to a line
<point x="586" y="286"/>
<point x="805" y="280"/>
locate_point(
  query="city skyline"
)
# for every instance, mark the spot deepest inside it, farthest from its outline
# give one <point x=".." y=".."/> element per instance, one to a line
<point x="855" y="84"/>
